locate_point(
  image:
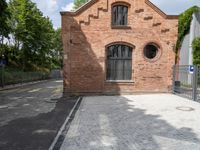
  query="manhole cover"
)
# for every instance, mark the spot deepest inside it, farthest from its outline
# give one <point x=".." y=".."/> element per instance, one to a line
<point x="3" y="106"/>
<point x="184" y="108"/>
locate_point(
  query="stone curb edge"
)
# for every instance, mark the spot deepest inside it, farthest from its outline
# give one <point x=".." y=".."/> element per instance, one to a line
<point x="21" y="85"/>
<point x="63" y="127"/>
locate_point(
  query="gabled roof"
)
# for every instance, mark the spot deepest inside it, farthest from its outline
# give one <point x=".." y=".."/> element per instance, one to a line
<point x="91" y="2"/>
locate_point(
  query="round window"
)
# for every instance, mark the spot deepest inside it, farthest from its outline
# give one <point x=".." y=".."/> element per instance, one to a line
<point x="150" y="51"/>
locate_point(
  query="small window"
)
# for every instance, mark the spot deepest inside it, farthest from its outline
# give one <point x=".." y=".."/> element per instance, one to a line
<point x="119" y="15"/>
<point x="119" y="62"/>
<point x="150" y="51"/>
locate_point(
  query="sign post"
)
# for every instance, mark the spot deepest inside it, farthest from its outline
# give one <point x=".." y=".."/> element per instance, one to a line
<point x="2" y="64"/>
<point x="194" y="84"/>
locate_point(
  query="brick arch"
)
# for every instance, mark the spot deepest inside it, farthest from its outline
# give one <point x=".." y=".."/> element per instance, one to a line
<point x="115" y="39"/>
<point x="122" y="43"/>
<point x="131" y="46"/>
<point x="121" y="3"/>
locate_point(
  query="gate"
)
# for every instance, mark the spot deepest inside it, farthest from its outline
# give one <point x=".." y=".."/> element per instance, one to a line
<point x="186" y="81"/>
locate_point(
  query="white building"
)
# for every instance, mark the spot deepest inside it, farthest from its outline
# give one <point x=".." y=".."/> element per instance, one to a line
<point x="186" y="56"/>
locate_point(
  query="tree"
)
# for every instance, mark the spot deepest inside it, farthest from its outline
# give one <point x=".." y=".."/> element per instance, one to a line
<point x="79" y="3"/>
<point x="33" y="34"/>
<point x="58" y="49"/>
<point x="4" y="26"/>
<point x="4" y="16"/>
<point x="33" y="45"/>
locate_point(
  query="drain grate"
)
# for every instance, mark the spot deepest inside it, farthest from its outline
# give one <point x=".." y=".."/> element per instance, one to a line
<point x="185" y="108"/>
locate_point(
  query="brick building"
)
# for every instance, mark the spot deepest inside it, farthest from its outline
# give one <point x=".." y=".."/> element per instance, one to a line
<point x="118" y="46"/>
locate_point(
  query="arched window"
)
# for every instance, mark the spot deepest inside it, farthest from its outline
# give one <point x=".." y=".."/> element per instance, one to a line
<point x="119" y="62"/>
<point x="119" y="15"/>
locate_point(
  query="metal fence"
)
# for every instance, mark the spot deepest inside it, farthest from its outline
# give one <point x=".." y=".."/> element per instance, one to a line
<point x="19" y="77"/>
<point x="186" y="81"/>
<point x="198" y="83"/>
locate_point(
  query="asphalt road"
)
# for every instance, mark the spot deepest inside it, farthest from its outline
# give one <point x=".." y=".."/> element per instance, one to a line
<point x="30" y="116"/>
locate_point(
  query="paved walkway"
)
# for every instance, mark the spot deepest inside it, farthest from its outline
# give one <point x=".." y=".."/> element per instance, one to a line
<point x="139" y="122"/>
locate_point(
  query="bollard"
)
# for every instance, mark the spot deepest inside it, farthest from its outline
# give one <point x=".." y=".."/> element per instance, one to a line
<point x="195" y="76"/>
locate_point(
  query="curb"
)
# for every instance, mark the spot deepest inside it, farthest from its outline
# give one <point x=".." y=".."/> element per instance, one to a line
<point x="23" y="84"/>
<point x="67" y="121"/>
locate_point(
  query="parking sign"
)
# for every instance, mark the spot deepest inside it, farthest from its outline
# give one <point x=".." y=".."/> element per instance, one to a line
<point x="191" y="69"/>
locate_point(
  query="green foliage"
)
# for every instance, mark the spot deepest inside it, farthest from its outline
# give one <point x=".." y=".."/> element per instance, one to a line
<point x="28" y="42"/>
<point x="196" y="51"/>
<point x="35" y="45"/>
<point x="33" y="31"/>
<point x="58" y="50"/>
<point x="4" y="24"/>
<point x="184" y="24"/>
<point x="4" y="16"/>
<point x="79" y="3"/>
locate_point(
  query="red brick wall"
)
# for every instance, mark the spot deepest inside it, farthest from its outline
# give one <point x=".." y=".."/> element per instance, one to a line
<point x="85" y="39"/>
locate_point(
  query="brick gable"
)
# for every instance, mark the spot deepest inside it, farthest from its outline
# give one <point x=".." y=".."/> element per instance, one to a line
<point x="87" y="32"/>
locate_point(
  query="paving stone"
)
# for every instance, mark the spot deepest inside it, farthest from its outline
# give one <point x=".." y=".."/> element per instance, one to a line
<point x="135" y="122"/>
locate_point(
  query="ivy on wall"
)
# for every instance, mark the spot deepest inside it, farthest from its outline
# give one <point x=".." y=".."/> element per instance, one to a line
<point x="196" y="51"/>
<point x="184" y="24"/>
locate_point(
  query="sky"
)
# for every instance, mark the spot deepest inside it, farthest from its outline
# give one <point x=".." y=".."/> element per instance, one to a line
<point x="52" y="8"/>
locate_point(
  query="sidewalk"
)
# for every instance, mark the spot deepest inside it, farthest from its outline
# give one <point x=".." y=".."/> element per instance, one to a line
<point x="7" y="87"/>
<point x="137" y="122"/>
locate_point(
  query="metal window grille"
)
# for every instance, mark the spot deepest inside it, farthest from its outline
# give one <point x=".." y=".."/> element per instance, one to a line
<point x="119" y="15"/>
<point x="119" y="62"/>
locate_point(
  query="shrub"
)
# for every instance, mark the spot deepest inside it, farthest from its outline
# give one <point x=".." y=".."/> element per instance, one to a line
<point x="196" y="51"/>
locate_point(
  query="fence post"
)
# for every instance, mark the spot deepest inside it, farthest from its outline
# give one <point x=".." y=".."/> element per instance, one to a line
<point x="2" y="76"/>
<point x="174" y="78"/>
<point x="195" y="80"/>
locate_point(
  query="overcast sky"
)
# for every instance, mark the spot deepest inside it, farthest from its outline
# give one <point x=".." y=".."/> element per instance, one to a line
<point x="52" y="8"/>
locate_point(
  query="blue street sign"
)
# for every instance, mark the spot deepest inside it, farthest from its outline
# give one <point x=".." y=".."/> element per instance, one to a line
<point x="2" y="62"/>
<point x="191" y="69"/>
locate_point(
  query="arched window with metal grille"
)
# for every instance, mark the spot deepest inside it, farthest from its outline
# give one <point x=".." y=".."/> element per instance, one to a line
<point x="119" y="62"/>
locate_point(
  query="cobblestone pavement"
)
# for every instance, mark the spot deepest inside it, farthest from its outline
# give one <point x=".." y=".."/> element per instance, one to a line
<point x="138" y="122"/>
<point x="30" y="116"/>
